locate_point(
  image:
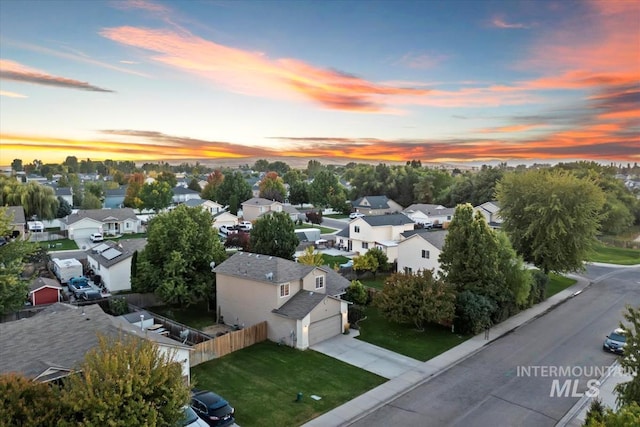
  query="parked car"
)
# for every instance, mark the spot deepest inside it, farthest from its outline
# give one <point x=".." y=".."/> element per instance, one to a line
<point x="191" y="419"/>
<point x="228" y="229"/>
<point x="347" y="264"/>
<point x="615" y="341"/>
<point x="96" y="237"/>
<point x="245" y="226"/>
<point x="212" y="408"/>
<point x="90" y="295"/>
<point x="77" y="286"/>
<point x="354" y="215"/>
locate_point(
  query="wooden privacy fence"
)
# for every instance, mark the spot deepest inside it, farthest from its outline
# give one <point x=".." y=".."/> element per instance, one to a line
<point x="228" y="343"/>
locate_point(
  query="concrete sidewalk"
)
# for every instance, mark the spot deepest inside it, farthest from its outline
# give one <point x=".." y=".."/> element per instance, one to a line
<point x="405" y="377"/>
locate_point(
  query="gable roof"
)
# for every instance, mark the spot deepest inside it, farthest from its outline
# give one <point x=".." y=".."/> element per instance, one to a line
<point x="300" y="304"/>
<point x="435" y="237"/>
<point x="391" y="219"/>
<point x="116" y="192"/>
<point x="274" y="270"/>
<point x="429" y="209"/>
<point x="259" y="201"/>
<point x="184" y="190"/>
<point x="101" y="215"/>
<point x="372" y="202"/>
<point x="109" y="253"/>
<point x="42" y="282"/>
<point x="53" y="342"/>
<point x="17" y="213"/>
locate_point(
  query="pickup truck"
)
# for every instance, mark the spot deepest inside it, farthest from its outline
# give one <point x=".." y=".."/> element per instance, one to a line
<point x="78" y="285"/>
<point x="245" y="226"/>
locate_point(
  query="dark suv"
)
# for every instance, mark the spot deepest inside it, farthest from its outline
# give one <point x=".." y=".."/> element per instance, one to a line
<point x="213" y="409"/>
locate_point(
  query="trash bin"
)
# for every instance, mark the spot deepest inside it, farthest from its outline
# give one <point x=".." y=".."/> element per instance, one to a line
<point x="299" y="397"/>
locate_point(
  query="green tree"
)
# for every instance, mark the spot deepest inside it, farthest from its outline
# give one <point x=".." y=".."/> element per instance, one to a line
<point x="16" y="165"/>
<point x="272" y="187"/>
<point x="274" y="234"/>
<point x="473" y="312"/>
<point x="71" y="162"/>
<point x="629" y="392"/>
<point x="311" y="257"/>
<point x="156" y="195"/>
<point x="418" y="298"/>
<point x="551" y="217"/>
<point x="90" y="201"/>
<point x="124" y="382"/>
<point x="261" y="165"/>
<point x="324" y="186"/>
<point x="168" y="177"/>
<point x="95" y="188"/>
<point x="381" y="257"/>
<point x="356" y="293"/>
<point x="626" y="416"/>
<point x="64" y="208"/>
<point x="13" y="289"/>
<point x="36" y="200"/>
<point x="299" y="193"/>
<point x="365" y="263"/>
<point x="175" y="263"/>
<point x="132" y="195"/>
<point x="63" y="182"/>
<point x="210" y="190"/>
<point x="235" y="187"/>
<point x="194" y="185"/>
<point x="28" y="403"/>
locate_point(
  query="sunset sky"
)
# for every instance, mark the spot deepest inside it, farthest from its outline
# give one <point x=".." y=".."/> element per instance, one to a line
<point x="440" y="81"/>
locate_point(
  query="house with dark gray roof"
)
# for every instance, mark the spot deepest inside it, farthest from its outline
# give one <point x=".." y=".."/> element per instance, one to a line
<point x="420" y="250"/>
<point x="112" y="261"/>
<point x="256" y="207"/>
<point x="491" y="212"/>
<point x="110" y="222"/>
<point x="377" y="231"/>
<point x="210" y="206"/>
<point x="299" y="302"/>
<point x="114" y="198"/>
<point x="52" y="344"/>
<point x="375" y="205"/>
<point x="17" y="220"/>
<point x="182" y="194"/>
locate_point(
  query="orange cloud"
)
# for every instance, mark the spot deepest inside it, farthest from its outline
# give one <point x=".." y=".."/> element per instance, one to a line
<point x="253" y="73"/>
<point x="509" y="129"/>
<point x="12" y="94"/>
<point x="10" y="70"/>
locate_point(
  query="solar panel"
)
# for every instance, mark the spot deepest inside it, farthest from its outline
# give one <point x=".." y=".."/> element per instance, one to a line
<point x="101" y="247"/>
<point x="111" y="253"/>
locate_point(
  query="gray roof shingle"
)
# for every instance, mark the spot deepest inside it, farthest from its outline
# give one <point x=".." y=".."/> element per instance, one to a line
<point x="300" y="304"/>
<point x="435" y="237"/>
<point x="391" y="219"/>
<point x="102" y="215"/>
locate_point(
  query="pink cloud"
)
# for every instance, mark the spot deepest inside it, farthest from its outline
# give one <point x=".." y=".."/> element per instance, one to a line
<point x="499" y="22"/>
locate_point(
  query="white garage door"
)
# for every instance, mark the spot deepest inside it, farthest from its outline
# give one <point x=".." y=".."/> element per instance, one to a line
<point x="324" y="329"/>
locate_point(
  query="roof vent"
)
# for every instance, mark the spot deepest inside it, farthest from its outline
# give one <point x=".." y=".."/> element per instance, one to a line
<point x="269" y="276"/>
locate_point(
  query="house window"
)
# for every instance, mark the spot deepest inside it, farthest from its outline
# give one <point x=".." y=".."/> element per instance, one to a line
<point x="356" y="229"/>
<point x="448" y="217"/>
<point x="319" y="282"/>
<point x="365" y="245"/>
<point x="284" y="290"/>
<point x="126" y="225"/>
<point x="425" y="254"/>
<point x="408" y="270"/>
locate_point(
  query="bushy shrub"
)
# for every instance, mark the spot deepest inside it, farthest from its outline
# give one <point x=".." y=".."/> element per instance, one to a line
<point x="473" y="313"/>
<point x="538" y="287"/>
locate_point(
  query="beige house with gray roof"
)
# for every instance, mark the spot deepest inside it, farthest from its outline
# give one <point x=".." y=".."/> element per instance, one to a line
<point x="112" y="261"/>
<point x="420" y="250"/>
<point x="300" y="302"/>
<point x="109" y="222"/>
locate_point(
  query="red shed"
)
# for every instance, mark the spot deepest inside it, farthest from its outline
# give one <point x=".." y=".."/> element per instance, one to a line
<point x="44" y="291"/>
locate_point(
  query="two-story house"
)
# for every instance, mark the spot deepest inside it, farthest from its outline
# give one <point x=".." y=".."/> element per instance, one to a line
<point x="300" y="302"/>
<point x="378" y="231"/>
<point x="114" y="198"/>
<point x="17" y="221"/>
<point x="420" y="250"/>
<point x="429" y="214"/>
<point x="375" y="205"/>
<point x="255" y="207"/>
<point x="183" y="194"/>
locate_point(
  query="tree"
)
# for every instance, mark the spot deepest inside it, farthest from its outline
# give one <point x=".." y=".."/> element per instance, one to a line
<point x="156" y="195"/>
<point x="210" y="190"/>
<point x="64" y="208"/>
<point x="36" y="200"/>
<point x="381" y="257"/>
<point x="90" y="201"/>
<point x="551" y="217"/>
<point x="473" y="312"/>
<point x="324" y="186"/>
<point x="238" y="240"/>
<point x="194" y="185"/>
<point x="132" y="196"/>
<point x="28" y="403"/>
<point x="126" y="381"/>
<point x="365" y="262"/>
<point x="629" y="392"/>
<point x="168" y="177"/>
<point x="625" y="416"/>
<point x="16" y="165"/>
<point x="314" y="217"/>
<point x="175" y="263"/>
<point x="261" y="165"/>
<point x="299" y="193"/>
<point x="419" y="298"/>
<point x="13" y="289"/>
<point x="233" y="188"/>
<point x="274" y="234"/>
<point x="272" y="187"/>
<point x="311" y="257"/>
<point x="356" y="293"/>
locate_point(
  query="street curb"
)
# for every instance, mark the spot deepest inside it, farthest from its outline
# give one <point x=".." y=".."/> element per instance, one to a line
<point x="584" y="400"/>
<point x="463" y="358"/>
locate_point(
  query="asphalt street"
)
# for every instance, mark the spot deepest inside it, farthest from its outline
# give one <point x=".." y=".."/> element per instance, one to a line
<point x="510" y="382"/>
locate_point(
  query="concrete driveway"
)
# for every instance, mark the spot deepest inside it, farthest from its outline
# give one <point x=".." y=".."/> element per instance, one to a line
<point x="366" y="356"/>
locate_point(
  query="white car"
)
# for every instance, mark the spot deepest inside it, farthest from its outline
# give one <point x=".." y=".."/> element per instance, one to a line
<point x="96" y="237"/>
<point x="191" y="419"/>
<point x="245" y="225"/>
<point x="354" y="215"/>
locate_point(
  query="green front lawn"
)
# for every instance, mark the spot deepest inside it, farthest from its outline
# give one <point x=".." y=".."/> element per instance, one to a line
<point x="558" y="283"/>
<point x="375" y="282"/>
<point x="195" y="316"/>
<point x="262" y="382"/>
<point x="405" y="338"/>
<point x="613" y="255"/>
<point x="332" y="260"/>
<point x="323" y="230"/>
<point x="59" y="245"/>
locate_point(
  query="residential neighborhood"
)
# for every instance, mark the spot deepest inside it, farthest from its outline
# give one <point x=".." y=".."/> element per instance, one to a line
<point x="231" y="299"/>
